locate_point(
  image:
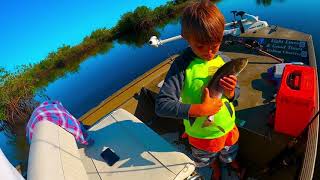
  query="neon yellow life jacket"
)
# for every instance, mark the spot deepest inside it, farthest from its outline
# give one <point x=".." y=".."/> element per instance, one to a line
<point x="197" y="76"/>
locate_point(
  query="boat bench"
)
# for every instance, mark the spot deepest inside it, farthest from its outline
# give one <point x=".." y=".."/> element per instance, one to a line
<point x="143" y="154"/>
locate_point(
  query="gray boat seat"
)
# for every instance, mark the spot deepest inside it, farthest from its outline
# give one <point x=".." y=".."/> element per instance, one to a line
<point x="143" y="153"/>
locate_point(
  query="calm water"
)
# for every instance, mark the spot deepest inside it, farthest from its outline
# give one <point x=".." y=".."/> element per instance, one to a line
<point x="100" y="76"/>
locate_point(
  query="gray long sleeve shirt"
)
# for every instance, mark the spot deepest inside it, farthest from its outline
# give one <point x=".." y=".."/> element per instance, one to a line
<point x="168" y="102"/>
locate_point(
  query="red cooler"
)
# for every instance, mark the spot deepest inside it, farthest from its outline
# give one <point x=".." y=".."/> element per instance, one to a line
<point x="296" y="99"/>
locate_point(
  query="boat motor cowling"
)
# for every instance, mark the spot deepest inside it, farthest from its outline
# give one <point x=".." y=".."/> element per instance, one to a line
<point x="154" y="41"/>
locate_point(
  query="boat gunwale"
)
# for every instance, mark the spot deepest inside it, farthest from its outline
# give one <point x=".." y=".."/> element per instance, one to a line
<point x="309" y="160"/>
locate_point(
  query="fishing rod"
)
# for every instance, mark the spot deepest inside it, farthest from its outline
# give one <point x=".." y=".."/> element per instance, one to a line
<point x="252" y="44"/>
<point x="247" y="23"/>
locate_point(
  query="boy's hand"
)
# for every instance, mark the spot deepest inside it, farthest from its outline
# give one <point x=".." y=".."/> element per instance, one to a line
<point x="209" y="106"/>
<point x="228" y="84"/>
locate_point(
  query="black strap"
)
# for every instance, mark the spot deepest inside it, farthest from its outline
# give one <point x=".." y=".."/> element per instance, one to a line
<point x="229" y="108"/>
<point x="192" y="120"/>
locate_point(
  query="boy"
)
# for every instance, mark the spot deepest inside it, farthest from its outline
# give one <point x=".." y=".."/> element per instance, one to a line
<point x="184" y="94"/>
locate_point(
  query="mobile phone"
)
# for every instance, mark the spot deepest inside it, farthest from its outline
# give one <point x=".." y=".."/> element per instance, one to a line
<point x="109" y="156"/>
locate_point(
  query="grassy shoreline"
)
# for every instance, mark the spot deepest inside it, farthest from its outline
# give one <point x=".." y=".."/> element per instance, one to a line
<point x="17" y="89"/>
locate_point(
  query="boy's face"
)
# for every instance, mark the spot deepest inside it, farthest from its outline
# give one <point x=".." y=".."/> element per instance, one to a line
<point x="204" y="50"/>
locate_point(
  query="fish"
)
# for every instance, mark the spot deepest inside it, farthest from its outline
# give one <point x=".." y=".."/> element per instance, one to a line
<point x="233" y="67"/>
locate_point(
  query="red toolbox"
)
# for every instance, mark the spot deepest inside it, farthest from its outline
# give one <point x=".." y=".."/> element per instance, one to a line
<point x="296" y="99"/>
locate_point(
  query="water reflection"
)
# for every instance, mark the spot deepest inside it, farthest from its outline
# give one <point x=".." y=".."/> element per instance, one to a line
<point x="266" y="2"/>
<point x="142" y="38"/>
<point x="119" y="66"/>
<point x="137" y="40"/>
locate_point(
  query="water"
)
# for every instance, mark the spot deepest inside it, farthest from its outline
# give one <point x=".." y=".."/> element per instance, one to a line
<point x="8" y="149"/>
<point x="100" y="76"/>
<point x="104" y="74"/>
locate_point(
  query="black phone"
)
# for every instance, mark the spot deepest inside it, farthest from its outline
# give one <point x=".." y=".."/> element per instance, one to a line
<point x="109" y="156"/>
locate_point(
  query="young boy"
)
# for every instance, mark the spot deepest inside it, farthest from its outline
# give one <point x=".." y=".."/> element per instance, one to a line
<point x="184" y="94"/>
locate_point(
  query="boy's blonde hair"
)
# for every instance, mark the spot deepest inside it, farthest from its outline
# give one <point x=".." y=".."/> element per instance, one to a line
<point x="203" y="21"/>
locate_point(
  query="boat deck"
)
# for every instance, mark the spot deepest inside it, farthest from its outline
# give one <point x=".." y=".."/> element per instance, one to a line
<point x="258" y="142"/>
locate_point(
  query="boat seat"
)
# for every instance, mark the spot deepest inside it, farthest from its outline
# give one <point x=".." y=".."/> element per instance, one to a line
<point x="143" y="153"/>
<point x="54" y="154"/>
